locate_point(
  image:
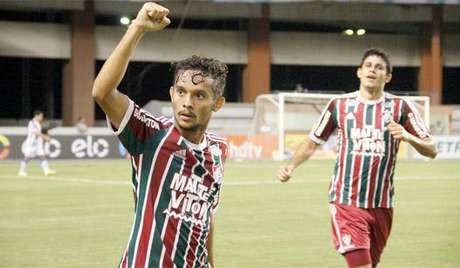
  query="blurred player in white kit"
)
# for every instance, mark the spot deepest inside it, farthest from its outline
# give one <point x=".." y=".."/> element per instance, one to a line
<point x="33" y="145"/>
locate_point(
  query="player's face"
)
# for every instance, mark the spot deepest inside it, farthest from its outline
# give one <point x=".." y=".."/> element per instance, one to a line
<point x="373" y="73"/>
<point x="193" y="101"/>
<point x="39" y="117"/>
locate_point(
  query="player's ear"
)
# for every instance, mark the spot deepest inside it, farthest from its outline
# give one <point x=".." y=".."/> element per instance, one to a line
<point x="218" y="103"/>
<point x="359" y="72"/>
<point x="388" y="78"/>
<point x="171" y="92"/>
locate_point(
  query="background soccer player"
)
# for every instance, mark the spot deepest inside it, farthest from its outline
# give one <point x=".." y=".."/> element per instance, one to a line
<point x="34" y="145"/>
<point x="370" y="125"/>
<point x="177" y="165"/>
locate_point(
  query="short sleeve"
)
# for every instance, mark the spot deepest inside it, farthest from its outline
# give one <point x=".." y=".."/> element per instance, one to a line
<point x="218" y="172"/>
<point x="224" y="149"/>
<point x="325" y="125"/>
<point x="137" y="127"/>
<point x="413" y="122"/>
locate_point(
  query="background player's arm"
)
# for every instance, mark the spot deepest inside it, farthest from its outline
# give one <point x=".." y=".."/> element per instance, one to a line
<point x="303" y="153"/>
<point x="209" y="244"/>
<point x="320" y="133"/>
<point x="425" y="147"/>
<point x="151" y="17"/>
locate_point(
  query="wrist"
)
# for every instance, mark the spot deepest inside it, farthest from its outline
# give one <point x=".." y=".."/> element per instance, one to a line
<point x="407" y="136"/>
<point x="291" y="166"/>
<point x="136" y="27"/>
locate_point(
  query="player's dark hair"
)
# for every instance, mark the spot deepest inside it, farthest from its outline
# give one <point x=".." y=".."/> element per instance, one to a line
<point x="209" y="67"/>
<point x="38" y="112"/>
<point x="379" y="53"/>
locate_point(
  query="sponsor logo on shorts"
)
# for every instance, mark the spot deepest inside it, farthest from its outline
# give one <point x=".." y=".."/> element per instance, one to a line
<point x="346" y="239"/>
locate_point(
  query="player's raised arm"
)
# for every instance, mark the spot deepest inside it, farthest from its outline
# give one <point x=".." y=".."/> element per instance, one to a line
<point x="152" y="17"/>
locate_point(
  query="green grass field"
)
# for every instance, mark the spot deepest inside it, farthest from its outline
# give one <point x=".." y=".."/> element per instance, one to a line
<point x="82" y="216"/>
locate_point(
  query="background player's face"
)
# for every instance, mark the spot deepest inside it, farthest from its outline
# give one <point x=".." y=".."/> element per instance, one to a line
<point x="39" y="117"/>
<point x="193" y="100"/>
<point x="373" y="73"/>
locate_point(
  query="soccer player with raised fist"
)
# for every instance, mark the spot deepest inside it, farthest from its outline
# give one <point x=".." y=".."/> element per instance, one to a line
<point x="177" y="164"/>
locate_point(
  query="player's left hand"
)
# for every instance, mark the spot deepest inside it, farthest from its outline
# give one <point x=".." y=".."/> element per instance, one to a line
<point x="398" y="132"/>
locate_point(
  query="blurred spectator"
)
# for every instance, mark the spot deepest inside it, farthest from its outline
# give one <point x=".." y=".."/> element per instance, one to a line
<point x="299" y="88"/>
<point x="81" y="126"/>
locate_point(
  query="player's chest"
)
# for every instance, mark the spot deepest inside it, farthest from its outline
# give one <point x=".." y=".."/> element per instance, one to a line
<point x="365" y="118"/>
<point x="204" y="163"/>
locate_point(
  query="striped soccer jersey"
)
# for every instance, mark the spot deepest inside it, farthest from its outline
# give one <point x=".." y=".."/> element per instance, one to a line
<point x="176" y="188"/>
<point x="365" y="163"/>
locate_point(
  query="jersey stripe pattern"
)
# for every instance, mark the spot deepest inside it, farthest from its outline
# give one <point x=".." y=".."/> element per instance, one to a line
<point x="366" y="157"/>
<point x="176" y="188"/>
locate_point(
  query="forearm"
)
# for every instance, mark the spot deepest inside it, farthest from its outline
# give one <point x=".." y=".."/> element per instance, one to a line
<point x="424" y="147"/>
<point x="209" y="245"/>
<point x="115" y="66"/>
<point x="303" y="152"/>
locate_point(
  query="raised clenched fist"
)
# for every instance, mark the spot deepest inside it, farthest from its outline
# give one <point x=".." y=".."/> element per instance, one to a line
<point x="152" y="17"/>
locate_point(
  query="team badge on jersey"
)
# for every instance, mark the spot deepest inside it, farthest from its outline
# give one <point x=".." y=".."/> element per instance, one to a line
<point x="387" y="117"/>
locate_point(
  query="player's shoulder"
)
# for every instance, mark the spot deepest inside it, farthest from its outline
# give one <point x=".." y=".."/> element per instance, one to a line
<point x="396" y="98"/>
<point x="214" y="138"/>
<point x="343" y="97"/>
<point x="33" y="124"/>
<point x="217" y="144"/>
<point x="350" y="95"/>
<point x="164" y="120"/>
<point x="144" y="115"/>
<point x="392" y="96"/>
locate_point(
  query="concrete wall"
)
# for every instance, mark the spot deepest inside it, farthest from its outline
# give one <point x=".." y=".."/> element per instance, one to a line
<point x="45" y="40"/>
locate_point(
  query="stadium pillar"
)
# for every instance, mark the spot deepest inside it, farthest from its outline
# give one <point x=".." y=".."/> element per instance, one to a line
<point x="431" y="63"/>
<point x="256" y="75"/>
<point x="78" y="73"/>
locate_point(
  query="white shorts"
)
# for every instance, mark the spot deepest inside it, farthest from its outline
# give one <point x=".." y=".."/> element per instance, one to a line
<point x="31" y="150"/>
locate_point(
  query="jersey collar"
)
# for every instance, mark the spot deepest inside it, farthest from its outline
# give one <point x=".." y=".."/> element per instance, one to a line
<point x="361" y="99"/>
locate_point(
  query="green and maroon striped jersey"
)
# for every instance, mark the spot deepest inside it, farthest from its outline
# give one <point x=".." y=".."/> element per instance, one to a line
<point x="365" y="163"/>
<point x="176" y="188"/>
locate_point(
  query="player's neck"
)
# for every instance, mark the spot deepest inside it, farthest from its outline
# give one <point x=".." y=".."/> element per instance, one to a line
<point x="194" y="136"/>
<point x="370" y="94"/>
